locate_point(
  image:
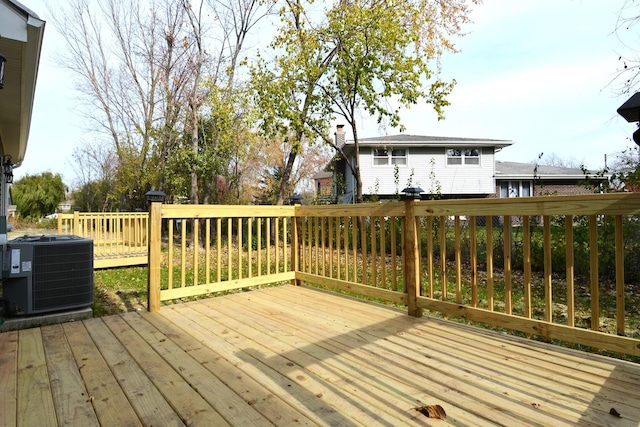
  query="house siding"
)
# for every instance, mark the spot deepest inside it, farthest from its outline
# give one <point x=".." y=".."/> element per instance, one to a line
<point x="427" y="168"/>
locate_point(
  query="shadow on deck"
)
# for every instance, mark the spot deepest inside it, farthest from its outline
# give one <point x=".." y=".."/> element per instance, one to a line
<point x="299" y="356"/>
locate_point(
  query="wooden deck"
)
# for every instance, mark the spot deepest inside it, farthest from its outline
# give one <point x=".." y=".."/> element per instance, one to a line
<point x="298" y="356"/>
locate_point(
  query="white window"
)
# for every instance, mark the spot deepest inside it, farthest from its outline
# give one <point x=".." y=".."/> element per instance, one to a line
<point x="380" y="157"/>
<point x="399" y="157"/>
<point x="385" y="156"/>
<point x="515" y="188"/>
<point x="463" y="156"/>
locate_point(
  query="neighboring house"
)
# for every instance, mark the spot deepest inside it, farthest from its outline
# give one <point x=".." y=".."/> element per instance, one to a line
<point x="323" y="183"/>
<point x="21" y="33"/>
<point x="65" y="206"/>
<point x="526" y="179"/>
<point x="443" y="166"/>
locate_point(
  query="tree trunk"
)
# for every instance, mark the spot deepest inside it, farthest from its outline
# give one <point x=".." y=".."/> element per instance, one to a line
<point x="286" y="174"/>
<point x="194" y="146"/>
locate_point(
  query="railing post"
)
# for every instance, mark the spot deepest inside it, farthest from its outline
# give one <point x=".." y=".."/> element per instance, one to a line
<point x="76" y="223"/>
<point x="411" y="258"/>
<point x="155" y="231"/>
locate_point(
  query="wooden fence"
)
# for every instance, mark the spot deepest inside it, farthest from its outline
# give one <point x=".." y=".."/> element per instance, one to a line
<point x="564" y="267"/>
<point x="119" y="238"/>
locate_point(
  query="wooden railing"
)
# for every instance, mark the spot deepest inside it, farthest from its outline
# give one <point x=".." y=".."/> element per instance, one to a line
<point x="561" y="268"/>
<point x="543" y="265"/>
<point x="197" y="250"/>
<point x="119" y="238"/>
<point x="354" y="248"/>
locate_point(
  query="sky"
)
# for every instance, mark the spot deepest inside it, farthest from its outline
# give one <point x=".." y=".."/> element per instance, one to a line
<point x="536" y="72"/>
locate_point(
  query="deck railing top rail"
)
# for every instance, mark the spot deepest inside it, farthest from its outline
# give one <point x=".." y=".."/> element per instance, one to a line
<point x="590" y="204"/>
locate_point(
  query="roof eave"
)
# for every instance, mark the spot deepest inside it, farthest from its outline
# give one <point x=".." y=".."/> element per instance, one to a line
<point x="438" y="144"/>
<point x="17" y="97"/>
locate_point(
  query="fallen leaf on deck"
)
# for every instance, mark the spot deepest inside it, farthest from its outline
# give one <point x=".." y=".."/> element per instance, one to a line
<point x="432" y="411"/>
<point x="615" y="413"/>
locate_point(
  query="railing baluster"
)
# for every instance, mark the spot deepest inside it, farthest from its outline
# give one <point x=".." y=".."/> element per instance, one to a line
<point x="207" y="253"/>
<point x="338" y="248"/>
<point x="219" y="249"/>
<point x="324" y="245"/>
<point x="394" y="266"/>
<point x="507" y="264"/>
<point x="229" y="248"/>
<point x="183" y="251"/>
<point x="268" y="246"/>
<point x="489" y="231"/>
<point x="383" y="254"/>
<point x="619" y="242"/>
<point x="354" y="248"/>
<point x="170" y="255"/>
<point x="473" y="259"/>
<point x="331" y="221"/>
<point x="259" y="246"/>
<point x="430" y="257"/>
<point x="458" y="258"/>
<point x="526" y="260"/>
<point x="443" y="256"/>
<point x="285" y="243"/>
<point x="595" y="288"/>
<point x="277" y="244"/>
<point x="346" y="247"/>
<point x="568" y="238"/>
<point x="250" y="237"/>
<point x="240" y="244"/>
<point x="196" y="247"/>
<point x="374" y="252"/>
<point x="548" y="291"/>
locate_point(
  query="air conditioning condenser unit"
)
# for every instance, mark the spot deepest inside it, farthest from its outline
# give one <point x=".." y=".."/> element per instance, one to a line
<point x="42" y="274"/>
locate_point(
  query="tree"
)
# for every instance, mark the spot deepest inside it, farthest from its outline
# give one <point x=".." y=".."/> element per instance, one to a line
<point x="145" y="70"/>
<point x="384" y="57"/>
<point x="38" y="195"/>
<point x="359" y="57"/>
<point x="624" y="170"/>
<point x="275" y="154"/>
<point x="96" y="168"/>
<point x="129" y="57"/>
<point x="627" y="78"/>
<point x="553" y="159"/>
<point x="286" y="86"/>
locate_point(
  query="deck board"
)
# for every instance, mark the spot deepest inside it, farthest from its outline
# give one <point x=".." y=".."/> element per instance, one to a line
<point x="299" y="356"/>
<point x="104" y="393"/>
<point x="35" y="400"/>
<point x="8" y="377"/>
<point x="66" y="382"/>
<point x="497" y="382"/>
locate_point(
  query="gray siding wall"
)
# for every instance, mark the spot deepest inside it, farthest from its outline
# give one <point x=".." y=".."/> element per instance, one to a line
<point x="427" y="168"/>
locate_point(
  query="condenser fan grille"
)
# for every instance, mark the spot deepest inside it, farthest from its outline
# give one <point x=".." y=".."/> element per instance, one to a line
<point x="62" y="275"/>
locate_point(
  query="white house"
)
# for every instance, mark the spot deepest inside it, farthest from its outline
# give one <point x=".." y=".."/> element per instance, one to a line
<point x="446" y="166"/>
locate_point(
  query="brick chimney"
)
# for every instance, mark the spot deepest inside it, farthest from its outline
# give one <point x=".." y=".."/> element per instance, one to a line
<point x="340" y="136"/>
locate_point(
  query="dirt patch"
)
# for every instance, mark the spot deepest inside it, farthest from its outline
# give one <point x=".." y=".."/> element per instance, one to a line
<point x="107" y="302"/>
